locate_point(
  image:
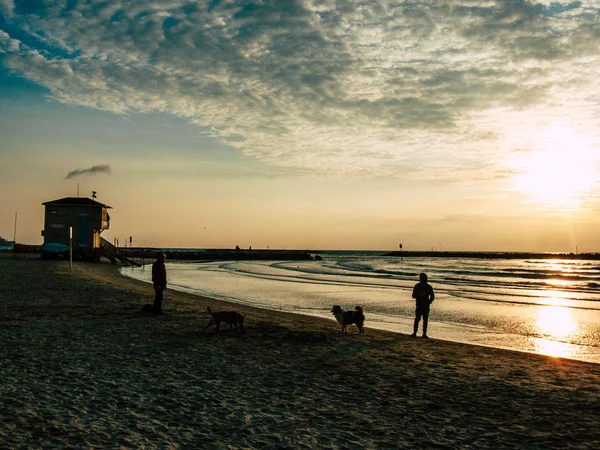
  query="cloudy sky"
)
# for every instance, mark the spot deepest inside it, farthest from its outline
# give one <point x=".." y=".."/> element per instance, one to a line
<point x="453" y="125"/>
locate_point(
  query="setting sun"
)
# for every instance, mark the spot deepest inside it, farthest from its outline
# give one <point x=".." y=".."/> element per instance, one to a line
<point x="560" y="173"/>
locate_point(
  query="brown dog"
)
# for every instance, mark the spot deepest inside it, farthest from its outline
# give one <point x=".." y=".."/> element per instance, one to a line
<point x="233" y="318"/>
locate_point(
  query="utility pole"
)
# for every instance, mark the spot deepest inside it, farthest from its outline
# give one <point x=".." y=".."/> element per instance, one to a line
<point x="71" y="247"/>
<point x="15" y="233"/>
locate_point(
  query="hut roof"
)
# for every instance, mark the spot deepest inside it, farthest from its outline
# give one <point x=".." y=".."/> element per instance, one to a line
<point x="75" y="201"/>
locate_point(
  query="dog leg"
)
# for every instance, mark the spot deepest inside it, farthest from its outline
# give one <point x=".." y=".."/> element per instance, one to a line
<point x="209" y="324"/>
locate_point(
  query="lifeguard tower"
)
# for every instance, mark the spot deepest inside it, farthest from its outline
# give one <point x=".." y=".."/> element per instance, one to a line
<point x="87" y="217"/>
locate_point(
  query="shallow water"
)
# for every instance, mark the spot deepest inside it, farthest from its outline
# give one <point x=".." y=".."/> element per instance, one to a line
<point x="542" y="306"/>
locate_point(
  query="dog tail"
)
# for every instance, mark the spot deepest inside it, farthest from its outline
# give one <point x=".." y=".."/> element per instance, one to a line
<point x="359" y="312"/>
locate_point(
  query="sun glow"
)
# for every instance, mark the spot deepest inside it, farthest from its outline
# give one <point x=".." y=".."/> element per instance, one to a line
<point x="560" y="170"/>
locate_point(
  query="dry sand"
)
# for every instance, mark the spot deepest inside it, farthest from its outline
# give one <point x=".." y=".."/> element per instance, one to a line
<point x="81" y="366"/>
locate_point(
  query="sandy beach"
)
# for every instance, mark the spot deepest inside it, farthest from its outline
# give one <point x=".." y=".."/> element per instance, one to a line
<point x="81" y="366"/>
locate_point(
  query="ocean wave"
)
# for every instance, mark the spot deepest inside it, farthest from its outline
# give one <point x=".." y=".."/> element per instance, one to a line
<point x="472" y="273"/>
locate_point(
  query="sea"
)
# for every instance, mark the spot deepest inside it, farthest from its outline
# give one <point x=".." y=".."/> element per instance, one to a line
<point x="545" y="306"/>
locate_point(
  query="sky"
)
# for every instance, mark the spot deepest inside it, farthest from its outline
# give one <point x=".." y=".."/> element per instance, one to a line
<point x="306" y="124"/>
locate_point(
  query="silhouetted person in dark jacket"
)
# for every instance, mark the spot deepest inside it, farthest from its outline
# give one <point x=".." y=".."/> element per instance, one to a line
<point x="423" y="295"/>
<point x="159" y="279"/>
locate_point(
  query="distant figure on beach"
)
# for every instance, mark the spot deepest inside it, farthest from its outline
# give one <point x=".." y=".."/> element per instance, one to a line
<point x="159" y="279"/>
<point x="423" y="295"/>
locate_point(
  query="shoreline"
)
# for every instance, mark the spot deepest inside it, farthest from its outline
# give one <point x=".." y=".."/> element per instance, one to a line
<point x="83" y="367"/>
<point x="400" y="321"/>
<point x="403" y="326"/>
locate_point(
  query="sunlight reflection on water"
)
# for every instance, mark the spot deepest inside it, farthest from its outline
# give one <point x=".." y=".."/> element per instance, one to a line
<point x="555" y="298"/>
<point x="557" y="329"/>
<point x="556" y="321"/>
<point x="558" y="349"/>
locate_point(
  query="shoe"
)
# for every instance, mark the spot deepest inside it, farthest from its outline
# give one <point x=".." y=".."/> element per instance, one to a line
<point x="413" y="335"/>
<point x="425" y="336"/>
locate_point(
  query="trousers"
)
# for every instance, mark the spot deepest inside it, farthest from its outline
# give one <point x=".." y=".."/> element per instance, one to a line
<point x="158" y="298"/>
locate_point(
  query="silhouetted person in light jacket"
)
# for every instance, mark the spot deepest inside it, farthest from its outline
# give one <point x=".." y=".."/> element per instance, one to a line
<point x="159" y="279"/>
<point x="423" y="295"/>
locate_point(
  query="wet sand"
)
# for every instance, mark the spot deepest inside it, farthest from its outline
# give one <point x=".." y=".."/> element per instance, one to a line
<point x="81" y="366"/>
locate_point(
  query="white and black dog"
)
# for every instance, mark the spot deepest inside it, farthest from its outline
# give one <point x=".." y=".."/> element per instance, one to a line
<point x="346" y="318"/>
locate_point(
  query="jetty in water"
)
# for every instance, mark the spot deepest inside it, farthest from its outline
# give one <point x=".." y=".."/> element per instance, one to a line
<point x="493" y="255"/>
<point x="219" y="254"/>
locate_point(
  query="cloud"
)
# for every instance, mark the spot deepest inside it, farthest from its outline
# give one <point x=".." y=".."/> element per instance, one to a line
<point x="7" y="7"/>
<point x="101" y="168"/>
<point x="345" y="89"/>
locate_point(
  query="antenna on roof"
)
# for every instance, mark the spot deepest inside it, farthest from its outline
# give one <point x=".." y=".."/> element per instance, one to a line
<point x="77" y="189"/>
<point x="93" y="194"/>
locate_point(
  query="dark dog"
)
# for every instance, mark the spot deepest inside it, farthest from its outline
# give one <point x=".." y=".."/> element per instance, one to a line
<point x="346" y="318"/>
<point x="233" y="318"/>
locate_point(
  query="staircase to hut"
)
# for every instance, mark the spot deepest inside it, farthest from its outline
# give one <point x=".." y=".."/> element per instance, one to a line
<point x="112" y="253"/>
